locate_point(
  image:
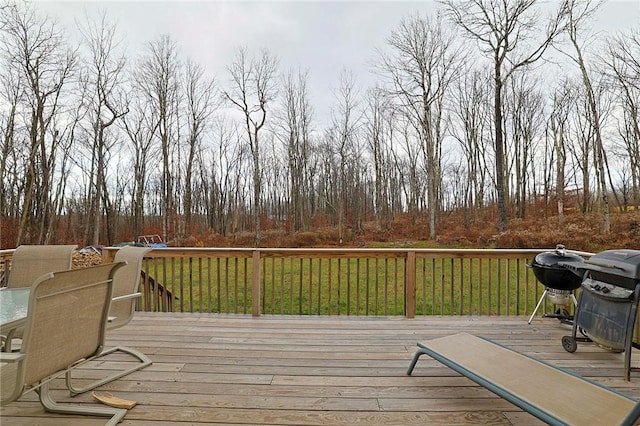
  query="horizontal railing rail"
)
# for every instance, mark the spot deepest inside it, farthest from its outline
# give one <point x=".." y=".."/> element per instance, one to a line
<point x="338" y="281"/>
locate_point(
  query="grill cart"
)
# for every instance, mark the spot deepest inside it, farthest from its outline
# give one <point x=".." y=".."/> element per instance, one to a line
<point x="559" y="282"/>
<point x="608" y="304"/>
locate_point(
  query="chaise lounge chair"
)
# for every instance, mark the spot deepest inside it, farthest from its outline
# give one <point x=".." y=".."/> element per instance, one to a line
<point x="554" y="395"/>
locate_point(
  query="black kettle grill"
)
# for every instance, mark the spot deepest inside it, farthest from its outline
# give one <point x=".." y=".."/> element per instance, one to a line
<point x="561" y="274"/>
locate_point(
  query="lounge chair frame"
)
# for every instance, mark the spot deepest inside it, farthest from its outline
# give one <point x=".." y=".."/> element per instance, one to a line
<point x="554" y="395"/>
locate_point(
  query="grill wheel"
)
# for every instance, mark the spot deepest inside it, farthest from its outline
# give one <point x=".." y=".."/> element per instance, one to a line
<point x="569" y="344"/>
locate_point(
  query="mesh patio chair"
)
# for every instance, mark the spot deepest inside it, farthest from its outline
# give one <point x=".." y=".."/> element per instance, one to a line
<point x="66" y="323"/>
<point x="125" y="294"/>
<point x="28" y="263"/>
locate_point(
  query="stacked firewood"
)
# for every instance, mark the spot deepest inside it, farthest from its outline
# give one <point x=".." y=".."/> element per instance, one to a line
<point x="86" y="258"/>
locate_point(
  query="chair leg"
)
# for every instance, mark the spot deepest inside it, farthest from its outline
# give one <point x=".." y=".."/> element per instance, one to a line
<point x="49" y="404"/>
<point x="145" y="361"/>
<point x="419" y="353"/>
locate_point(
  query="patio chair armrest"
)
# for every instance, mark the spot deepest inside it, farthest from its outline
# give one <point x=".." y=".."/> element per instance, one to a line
<point x="126" y="296"/>
<point x="11" y="357"/>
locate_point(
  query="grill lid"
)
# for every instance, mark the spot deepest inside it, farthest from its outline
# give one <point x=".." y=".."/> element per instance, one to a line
<point x="622" y="263"/>
<point x="559" y="269"/>
<point x="553" y="259"/>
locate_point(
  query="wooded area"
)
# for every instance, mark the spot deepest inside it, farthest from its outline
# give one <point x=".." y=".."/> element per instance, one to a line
<point x="487" y="108"/>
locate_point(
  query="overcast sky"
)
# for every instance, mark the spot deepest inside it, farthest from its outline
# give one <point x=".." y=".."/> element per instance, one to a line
<point x="321" y="37"/>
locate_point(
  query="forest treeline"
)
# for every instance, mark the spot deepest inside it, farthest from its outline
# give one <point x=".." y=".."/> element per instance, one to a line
<point x="487" y="105"/>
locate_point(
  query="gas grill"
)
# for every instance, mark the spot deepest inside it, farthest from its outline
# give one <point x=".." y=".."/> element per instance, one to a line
<point x="608" y="304"/>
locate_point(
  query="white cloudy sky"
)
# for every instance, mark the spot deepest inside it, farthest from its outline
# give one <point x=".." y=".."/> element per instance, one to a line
<point x="323" y="37"/>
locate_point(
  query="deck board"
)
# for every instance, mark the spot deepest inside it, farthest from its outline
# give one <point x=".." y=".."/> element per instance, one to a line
<point x="291" y="370"/>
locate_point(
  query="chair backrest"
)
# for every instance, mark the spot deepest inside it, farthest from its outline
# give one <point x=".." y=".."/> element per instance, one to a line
<point x="30" y="262"/>
<point x="126" y="282"/>
<point x="66" y="321"/>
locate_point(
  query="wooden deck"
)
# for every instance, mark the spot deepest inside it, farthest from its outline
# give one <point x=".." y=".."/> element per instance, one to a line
<point x="211" y="369"/>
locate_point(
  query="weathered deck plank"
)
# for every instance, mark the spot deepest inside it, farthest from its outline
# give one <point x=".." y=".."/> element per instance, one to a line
<point x="212" y="369"/>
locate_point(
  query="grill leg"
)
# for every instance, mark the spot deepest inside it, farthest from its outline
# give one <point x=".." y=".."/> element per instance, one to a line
<point x="538" y="305"/>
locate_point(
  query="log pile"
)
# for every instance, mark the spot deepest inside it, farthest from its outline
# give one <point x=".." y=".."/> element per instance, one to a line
<point x="87" y="258"/>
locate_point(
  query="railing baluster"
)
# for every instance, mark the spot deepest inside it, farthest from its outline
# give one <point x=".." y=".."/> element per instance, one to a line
<point x="499" y="286"/>
<point x="358" y="286"/>
<point x="507" y="285"/>
<point x="399" y="274"/>
<point x="386" y="286"/>
<point x="310" y="279"/>
<point x="289" y="281"/>
<point x="518" y="294"/>
<point x="275" y="284"/>
<point x="330" y="286"/>
<point x="225" y="294"/>
<point x="489" y="293"/>
<point x="480" y="292"/>
<point x="209" y="286"/>
<point x="173" y="286"/>
<point x="246" y="288"/>
<point x="320" y="286"/>
<point x="377" y="288"/>
<point x="461" y="285"/>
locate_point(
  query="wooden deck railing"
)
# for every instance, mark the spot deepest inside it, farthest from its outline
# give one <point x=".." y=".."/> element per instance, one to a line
<point x="365" y="282"/>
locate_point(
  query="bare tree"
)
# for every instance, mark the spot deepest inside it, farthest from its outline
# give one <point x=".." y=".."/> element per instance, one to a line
<point x="408" y="163"/>
<point x="11" y="90"/>
<point x="253" y="88"/>
<point x="558" y="133"/>
<point x="507" y="30"/>
<point x="158" y="79"/>
<point x="526" y="107"/>
<point x="379" y="134"/>
<point x="579" y="13"/>
<point x="341" y="136"/>
<point x="421" y="65"/>
<point x="622" y="61"/>
<point x="200" y="105"/>
<point x="220" y="179"/>
<point x="470" y="110"/>
<point x="37" y="48"/>
<point x="294" y="117"/>
<point x="140" y="126"/>
<point x="102" y="80"/>
<point x="580" y="148"/>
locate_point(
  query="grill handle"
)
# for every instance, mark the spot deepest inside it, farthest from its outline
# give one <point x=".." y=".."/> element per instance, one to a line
<point x="600" y="266"/>
<point x="579" y="271"/>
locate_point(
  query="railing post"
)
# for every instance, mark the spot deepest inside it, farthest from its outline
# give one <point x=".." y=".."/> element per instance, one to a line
<point x="410" y="285"/>
<point x="255" y="290"/>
